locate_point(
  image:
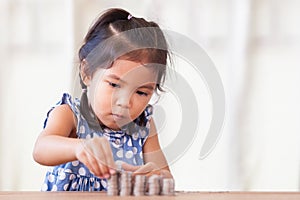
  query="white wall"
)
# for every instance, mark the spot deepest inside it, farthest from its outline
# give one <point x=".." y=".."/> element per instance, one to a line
<point x="253" y="43"/>
<point x="35" y="70"/>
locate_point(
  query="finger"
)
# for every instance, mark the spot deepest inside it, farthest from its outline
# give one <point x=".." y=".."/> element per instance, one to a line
<point x="108" y="164"/>
<point x="94" y="167"/>
<point x="97" y="152"/>
<point x="147" y="168"/>
<point x="128" y="167"/>
<point x="101" y="163"/>
<point x="93" y="157"/>
<point x="166" y="174"/>
<point x="157" y="172"/>
<point x="108" y="155"/>
<point x="104" y="171"/>
<point x="90" y="163"/>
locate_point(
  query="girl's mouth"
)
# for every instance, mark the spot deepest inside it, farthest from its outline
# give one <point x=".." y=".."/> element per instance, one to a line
<point x="118" y="116"/>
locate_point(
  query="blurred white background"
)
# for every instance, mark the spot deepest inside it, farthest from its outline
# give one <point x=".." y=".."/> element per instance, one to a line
<point x="255" y="45"/>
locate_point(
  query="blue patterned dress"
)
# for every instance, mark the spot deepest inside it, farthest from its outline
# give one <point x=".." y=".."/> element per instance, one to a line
<point x="126" y="146"/>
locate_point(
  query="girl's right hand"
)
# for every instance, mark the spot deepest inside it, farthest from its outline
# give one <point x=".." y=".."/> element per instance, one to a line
<point x="96" y="154"/>
<point x="148" y="169"/>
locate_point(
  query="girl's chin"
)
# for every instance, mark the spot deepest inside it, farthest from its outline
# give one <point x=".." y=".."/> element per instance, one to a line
<point x="117" y="125"/>
<point x="115" y="122"/>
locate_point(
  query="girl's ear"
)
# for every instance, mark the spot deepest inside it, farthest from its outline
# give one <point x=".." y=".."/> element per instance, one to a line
<point x="85" y="77"/>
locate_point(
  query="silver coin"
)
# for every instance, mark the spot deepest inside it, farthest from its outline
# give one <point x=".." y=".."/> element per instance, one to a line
<point x="168" y="186"/>
<point x="154" y="185"/>
<point x="113" y="185"/>
<point x="125" y="183"/>
<point x="139" y="185"/>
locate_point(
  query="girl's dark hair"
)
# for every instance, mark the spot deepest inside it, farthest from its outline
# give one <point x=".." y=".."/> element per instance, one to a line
<point x="118" y="34"/>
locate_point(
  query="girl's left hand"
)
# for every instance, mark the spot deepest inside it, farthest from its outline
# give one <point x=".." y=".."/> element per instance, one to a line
<point x="148" y="169"/>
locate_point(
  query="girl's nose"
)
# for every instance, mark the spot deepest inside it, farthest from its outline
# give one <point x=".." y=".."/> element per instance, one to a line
<point x="123" y="101"/>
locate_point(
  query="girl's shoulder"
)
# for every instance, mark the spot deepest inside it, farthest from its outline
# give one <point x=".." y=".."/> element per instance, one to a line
<point x="67" y="99"/>
<point x="60" y="120"/>
<point x="65" y="106"/>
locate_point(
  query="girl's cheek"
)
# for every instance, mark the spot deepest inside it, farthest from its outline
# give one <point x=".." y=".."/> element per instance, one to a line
<point x="102" y="90"/>
<point x="141" y="103"/>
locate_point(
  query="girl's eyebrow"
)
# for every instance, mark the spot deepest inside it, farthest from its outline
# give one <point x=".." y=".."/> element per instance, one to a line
<point x="114" y="76"/>
<point x="150" y="87"/>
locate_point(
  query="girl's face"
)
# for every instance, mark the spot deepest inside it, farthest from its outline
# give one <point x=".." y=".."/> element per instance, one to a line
<point x="118" y="95"/>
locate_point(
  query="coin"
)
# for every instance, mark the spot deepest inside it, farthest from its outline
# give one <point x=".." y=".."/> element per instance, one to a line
<point x="125" y="183"/>
<point x="154" y="185"/>
<point x="167" y="186"/>
<point x="139" y="185"/>
<point x="113" y="184"/>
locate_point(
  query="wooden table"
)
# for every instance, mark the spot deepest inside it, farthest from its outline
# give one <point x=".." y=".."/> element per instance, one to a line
<point x="178" y="196"/>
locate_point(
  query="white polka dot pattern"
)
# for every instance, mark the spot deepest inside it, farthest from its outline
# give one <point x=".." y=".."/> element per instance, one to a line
<point x="54" y="188"/>
<point x="129" y="143"/>
<point x="135" y="136"/>
<point x="97" y="184"/>
<point x="81" y="129"/>
<point x="104" y="183"/>
<point x="81" y="171"/>
<point x="66" y="187"/>
<point x="75" y="163"/>
<point x="74" y="185"/>
<point x="44" y="187"/>
<point x="51" y="178"/>
<point x="68" y="171"/>
<point x="72" y="176"/>
<point x="120" y="153"/>
<point x="62" y="176"/>
<point x="134" y="150"/>
<point x="129" y="154"/>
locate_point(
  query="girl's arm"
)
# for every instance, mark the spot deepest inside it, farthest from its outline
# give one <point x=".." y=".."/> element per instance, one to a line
<point x="153" y="154"/>
<point x="57" y="145"/>
<point x="54" y="145"/>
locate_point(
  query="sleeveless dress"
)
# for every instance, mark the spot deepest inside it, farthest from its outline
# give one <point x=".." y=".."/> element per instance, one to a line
<point x="126" y="146"/>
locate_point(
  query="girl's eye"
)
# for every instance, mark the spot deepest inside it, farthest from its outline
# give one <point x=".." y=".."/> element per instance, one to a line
<point x="114" y="85"/>
<point x="142" y="93"/>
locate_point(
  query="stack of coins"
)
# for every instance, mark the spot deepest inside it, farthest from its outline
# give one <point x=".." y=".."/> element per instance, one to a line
<point x="139" y="185"/>
<point x="113" y="185"/>
<point x="167" y="186"/>
<point x="121" y="184"/>
<point x="125" y="183"/>
<point x="154" y="185"/>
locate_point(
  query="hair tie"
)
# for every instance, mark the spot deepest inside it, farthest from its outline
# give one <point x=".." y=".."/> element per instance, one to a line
<point x="129" y="17"/>
<point x="84" y="90"/>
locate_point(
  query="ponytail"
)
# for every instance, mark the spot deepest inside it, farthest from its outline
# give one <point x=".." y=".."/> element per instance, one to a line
<point x="88" y="113"/>
<point x="86" y="110"/>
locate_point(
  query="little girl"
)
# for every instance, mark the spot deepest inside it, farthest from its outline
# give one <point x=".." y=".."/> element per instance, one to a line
<point x="122" y="63"/>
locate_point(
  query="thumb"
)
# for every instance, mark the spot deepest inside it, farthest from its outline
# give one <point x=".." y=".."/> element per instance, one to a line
<point x="147" y="168"/>
<point x="128" y="167"/>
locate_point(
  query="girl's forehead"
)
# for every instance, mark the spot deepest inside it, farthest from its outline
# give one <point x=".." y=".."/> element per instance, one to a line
<point x="123" y="66"/>
<point x="127" y="70"/>
<point x="130" y="73"/>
